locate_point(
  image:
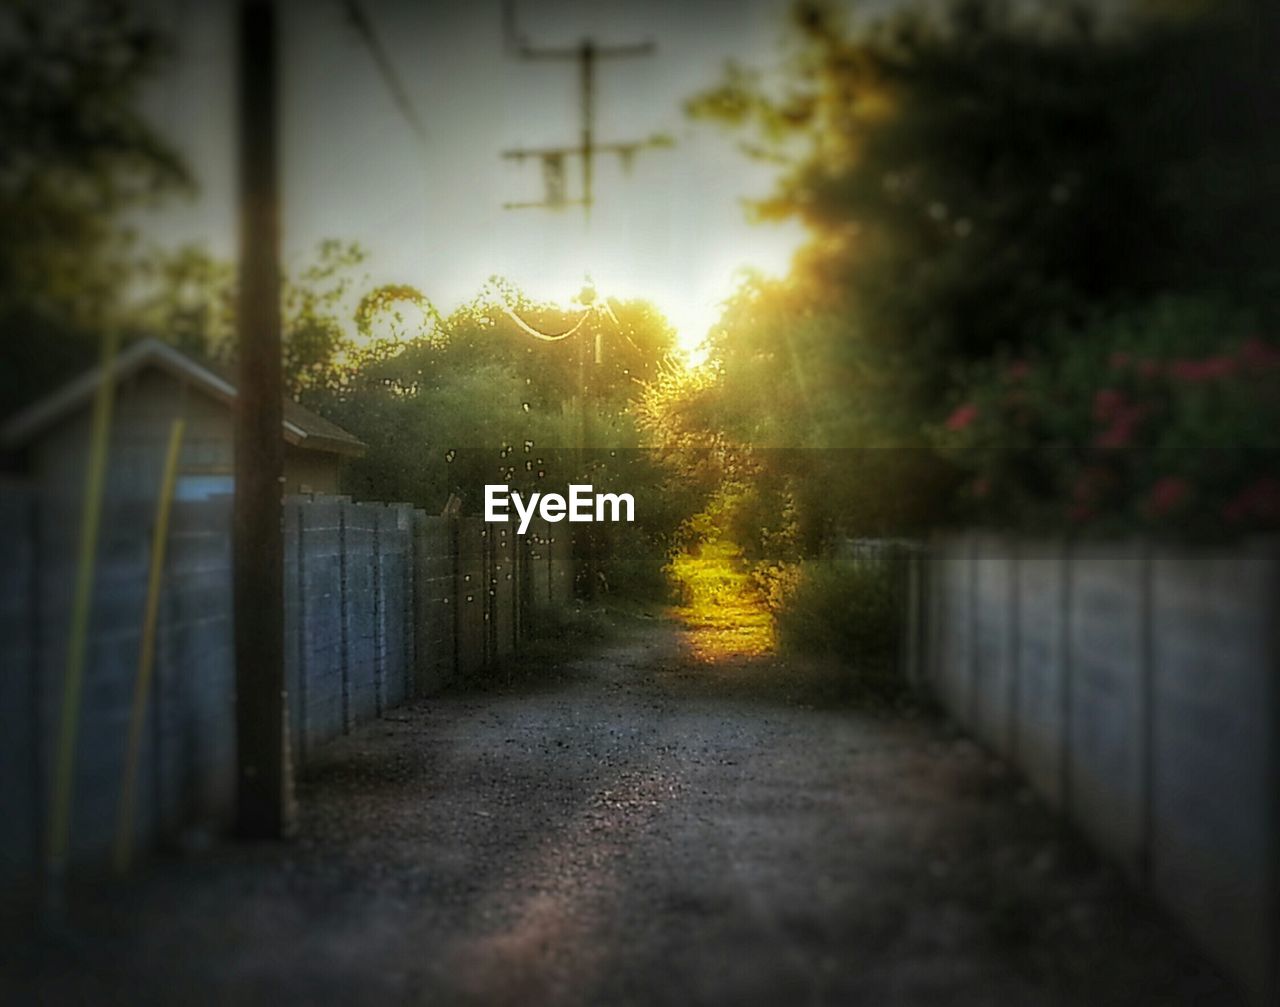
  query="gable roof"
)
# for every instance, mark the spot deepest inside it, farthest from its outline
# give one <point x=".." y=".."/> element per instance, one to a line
<point x="302" y="427"/>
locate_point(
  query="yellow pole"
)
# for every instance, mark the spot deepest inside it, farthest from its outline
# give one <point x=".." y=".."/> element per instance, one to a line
<point x="146" y="655"/>
<point x="90" y="518"/>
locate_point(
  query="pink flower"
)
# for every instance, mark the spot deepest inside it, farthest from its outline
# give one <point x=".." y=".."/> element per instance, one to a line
<point x="1148" y="368"/>
<point x="962" y="417"/>
<point x="1120" y="433"/>
<point x="1119" y="414"/>
<point x="1019" y="370"/>
<point x="1200" y="371"/>
<point x="1168" y="494"/>
<point x="1220" y="367"/>
<point x="1119" y="361"/>
<point x="1107" y="404"/>
<point x="1259" y="500"/>
<point x="1259" y="355"/>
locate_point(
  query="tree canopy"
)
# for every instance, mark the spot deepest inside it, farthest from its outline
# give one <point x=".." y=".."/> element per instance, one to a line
<point x="75" y="151"/>
<point x="975" y="178"/>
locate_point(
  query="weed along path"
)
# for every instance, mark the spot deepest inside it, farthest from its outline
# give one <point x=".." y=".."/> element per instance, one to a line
<point x="649" y="824"/>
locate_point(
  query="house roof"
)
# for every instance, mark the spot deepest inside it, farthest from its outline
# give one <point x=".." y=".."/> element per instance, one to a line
<point x="302" y="427"/>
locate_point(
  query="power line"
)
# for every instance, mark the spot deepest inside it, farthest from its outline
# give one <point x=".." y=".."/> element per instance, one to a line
<point x="386" y="68"/>
<point x="546" y="337"/>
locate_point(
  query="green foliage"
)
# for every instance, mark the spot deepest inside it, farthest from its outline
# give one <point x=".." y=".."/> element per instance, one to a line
<point x="975" y="176"/>
<point x="74" y="153"/>
<point x="188" y="297"/>
<point x="474" y="388"/>
<point x="972" y="177"/>
<point x="848" y="610"/>
<point x="1166" y="418"/>
<point x="315" y="335"/>
<point x="449" y="404"/>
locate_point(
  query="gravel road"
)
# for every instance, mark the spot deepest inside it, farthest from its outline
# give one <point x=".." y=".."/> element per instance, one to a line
<point x="634" y="827"/>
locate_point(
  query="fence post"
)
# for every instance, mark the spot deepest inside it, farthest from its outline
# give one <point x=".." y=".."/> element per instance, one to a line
<point x="20" y="733"/>
<point x="38" y="762"/>
<point x="517" y="590"/>
<point x="936" y="620"/>
<point x="300" y="628"/>
<point x="973" y="698"/>
<point x="1014" y="645"/>
<point x="1271" y="981"/>
<point x="924" y="626"/>
<point x="345" y="609"/>
<point x="379" y="614"/>
<point x="1146" y="673"/>
<point x="1064" y="740"/>
<point x="489" y="580"/>
<point x="455" y="552"/>
<point x="408" y="613"/>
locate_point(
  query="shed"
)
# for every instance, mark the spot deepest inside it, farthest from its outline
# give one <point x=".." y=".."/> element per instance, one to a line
<point x="155" y="384"/>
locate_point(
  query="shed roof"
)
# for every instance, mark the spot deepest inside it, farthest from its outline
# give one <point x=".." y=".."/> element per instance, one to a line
<point x="302" y="427"/>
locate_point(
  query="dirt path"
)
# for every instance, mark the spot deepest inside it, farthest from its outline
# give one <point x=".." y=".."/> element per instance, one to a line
<point x="635" y="829"/>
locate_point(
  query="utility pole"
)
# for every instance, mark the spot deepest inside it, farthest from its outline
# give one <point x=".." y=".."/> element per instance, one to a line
<point x="586" y="54"/>
<point x="262" y="798"/>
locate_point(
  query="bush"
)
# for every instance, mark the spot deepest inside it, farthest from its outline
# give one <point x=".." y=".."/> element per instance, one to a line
<point x="1165" y="419"/>
<point x="847" y="610"/>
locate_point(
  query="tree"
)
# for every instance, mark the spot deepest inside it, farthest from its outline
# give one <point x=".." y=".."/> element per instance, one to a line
<point x="474" y="395"/>
<point x="972" y="181"/>
<point x="74" y="152"/>
<point x="187" y="297"/>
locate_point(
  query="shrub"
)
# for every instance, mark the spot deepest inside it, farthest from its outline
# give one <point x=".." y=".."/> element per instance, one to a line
<point x="1165" y="419"/>
<point x="846" y="610"/>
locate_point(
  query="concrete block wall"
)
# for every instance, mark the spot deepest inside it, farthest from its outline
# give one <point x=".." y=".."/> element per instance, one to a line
<point x="110" y="668"/>
<point x="536" y="575"/>
<point x="1137" y="687"/>
<point x="435" y="601"/>
<point x="559" y="543"/>
<point x="395" y="627"/>
<point x="949" y="650"/>
<point x="194" y="686"/>
<point x="471" y="593"/>
<point x="993" y="627"/>
<point x="382" y="603"/>
<point x="1214" y="755"/>
<point x="186" y="770"/>
<point x="349" y="614"/>
<point x="502" y="592"/>
<point x="1108" y="695"/>
<point x="545" y="574"/>
<point x="359" y="614"/>
<point x="21" y="754"/>
<point x="315" y="621"/>
<point x="1040" y="738"/>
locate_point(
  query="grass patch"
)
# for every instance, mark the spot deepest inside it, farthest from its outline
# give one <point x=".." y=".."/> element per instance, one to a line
<point x="721" y="603"/>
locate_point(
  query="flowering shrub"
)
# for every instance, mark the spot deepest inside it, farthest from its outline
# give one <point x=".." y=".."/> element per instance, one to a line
<point x="1167" y="420"/>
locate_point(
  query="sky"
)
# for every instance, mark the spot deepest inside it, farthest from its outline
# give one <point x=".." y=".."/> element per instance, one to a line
<point x="431" y="213"/>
